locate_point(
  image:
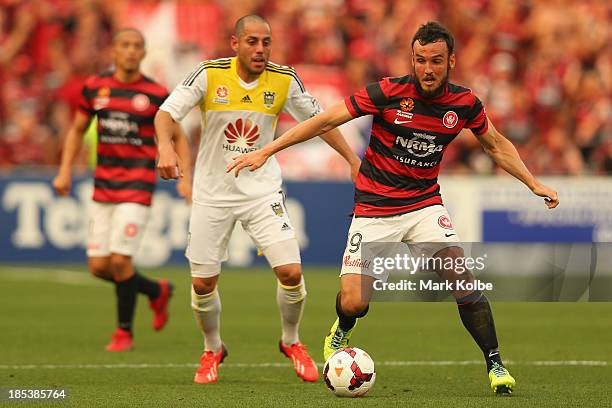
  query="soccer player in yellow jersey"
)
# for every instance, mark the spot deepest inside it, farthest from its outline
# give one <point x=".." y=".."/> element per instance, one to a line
<point x="240" y="99"/>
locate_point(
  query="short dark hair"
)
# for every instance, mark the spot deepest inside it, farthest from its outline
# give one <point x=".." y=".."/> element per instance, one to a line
<point x="240" y="23"/>
<point x="128" y="30"/>
<point x="431" y="32"/>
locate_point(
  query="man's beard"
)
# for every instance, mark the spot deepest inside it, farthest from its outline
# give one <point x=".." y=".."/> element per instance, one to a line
<point x="434" y="92"/>
<point x="246" y="65"/>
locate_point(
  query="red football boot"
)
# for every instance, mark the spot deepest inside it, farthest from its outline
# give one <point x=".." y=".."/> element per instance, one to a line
<point x="209" y="366"/>
<point x="121" y="341"/>
<point x="159" y="305"/>
<point x="303" y="364"/>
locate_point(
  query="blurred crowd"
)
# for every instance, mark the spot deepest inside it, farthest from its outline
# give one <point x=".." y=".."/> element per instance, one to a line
<point x="543" y="68"/>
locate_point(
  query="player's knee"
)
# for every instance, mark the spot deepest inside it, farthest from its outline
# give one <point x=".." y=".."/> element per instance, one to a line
<point x="101" y="273"/>
<point x="292" y="293"/>
<point x="121" y="266"/>
<point x="289" y="275"/>
<point x="204" y="286"/>
<point x="452" y="252"/>
<point x="100" y="268"/>
<point x="353" y="304"/>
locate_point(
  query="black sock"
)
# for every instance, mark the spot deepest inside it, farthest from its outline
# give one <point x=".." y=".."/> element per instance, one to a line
<point x="126" y="302"/>
<point x="491" y="357"/>
<point x="477" y="318"/>
<point x="105" y="278"/>
<point x="147" y="286"/>
<point x="346" y="322"/>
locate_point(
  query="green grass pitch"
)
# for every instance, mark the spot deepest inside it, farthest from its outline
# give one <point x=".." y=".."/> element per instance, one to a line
<point x="54" y="325"/>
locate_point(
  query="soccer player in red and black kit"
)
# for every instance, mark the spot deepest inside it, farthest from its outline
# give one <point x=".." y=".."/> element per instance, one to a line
<point x="397" y="196"/>
<point x="125" y="103"/>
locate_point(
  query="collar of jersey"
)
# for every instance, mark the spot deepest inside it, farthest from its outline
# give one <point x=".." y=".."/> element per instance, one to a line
<point x="246" y="85"/>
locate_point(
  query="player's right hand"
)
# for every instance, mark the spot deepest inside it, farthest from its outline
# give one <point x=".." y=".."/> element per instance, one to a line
<point x="551" y="198"/>
<point x="62" y="183"/>
<point x="252" y="161"/>
<point x="169" y="164"/>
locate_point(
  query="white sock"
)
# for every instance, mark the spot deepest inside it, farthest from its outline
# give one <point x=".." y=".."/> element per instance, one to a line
<point x="207" y="312"/>
<point x="290" y="301"/>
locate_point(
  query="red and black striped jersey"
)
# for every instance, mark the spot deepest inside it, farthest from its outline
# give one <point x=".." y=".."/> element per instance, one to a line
<point x="126" y="136"/>
<point x="399" y="172"/>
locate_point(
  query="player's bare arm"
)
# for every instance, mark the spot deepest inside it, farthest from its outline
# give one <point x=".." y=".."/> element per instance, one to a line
<point x="168" y="163"/>
<point x="315" y="126"/>
<point x="181" y="144"/>
<point x="72" y="146"/>
<point x="503" y="152"/>
<point x="337" y="142"/>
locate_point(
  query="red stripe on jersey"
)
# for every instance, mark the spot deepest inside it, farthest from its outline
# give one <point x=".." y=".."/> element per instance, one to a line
<point x="104" y="94"/>
<point x="408" y="137"/>
<point x="123" y="174"/>
<point x="126" y="105"/>
<point x="366" y="210"/>
<point x="397" y="88"/>
<point x="480" y="124"/>
<point x="387" y="138"/>
<point x="351" y="108"/>
<point x="464" y="96"/>
<point x="360" y="103"/>
<point x="392" y="166"/>
<point x="146" y="130"/>
<point x="127" y="151"/>
<point x="366" y="184"/>
<point x="122" y="196"/>
<point x="85" y="111"/>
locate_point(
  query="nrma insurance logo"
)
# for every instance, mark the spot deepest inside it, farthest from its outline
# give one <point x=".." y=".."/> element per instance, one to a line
<point x="241" y="136"/>
<point x="421" y="145"/>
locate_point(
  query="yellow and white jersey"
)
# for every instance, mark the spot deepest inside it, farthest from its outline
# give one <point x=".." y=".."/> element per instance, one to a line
<point x="237" y="118"/>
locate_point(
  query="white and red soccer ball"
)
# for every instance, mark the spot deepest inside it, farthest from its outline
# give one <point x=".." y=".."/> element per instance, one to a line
<point x="349" y="372"/>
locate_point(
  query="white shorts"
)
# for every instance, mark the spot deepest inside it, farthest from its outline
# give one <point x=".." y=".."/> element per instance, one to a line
<point x="265" y="220"/>
<point x="427" y="230"/>
<point x="115" y="228"/>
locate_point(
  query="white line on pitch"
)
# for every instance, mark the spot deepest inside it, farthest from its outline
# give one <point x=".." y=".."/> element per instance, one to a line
<point x="277" y="365"/>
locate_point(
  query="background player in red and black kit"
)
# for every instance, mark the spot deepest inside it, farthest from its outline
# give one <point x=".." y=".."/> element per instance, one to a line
<point x="397" y="196"/>
<point x="125" y="103"/>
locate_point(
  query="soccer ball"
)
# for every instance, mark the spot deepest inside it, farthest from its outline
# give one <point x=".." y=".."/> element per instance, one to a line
<point x="349" y="372"/>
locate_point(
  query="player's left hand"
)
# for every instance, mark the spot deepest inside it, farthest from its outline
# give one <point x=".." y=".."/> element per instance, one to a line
<point x="252" y="161"/>
<point x="184" y="188"/>
<point x="550" y="196"/>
